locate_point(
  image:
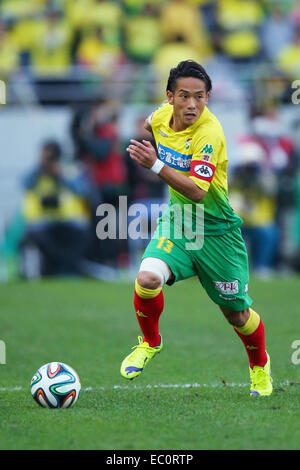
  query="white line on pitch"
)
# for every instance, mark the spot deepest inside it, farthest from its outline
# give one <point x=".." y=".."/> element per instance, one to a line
<point x="154" y="386"/>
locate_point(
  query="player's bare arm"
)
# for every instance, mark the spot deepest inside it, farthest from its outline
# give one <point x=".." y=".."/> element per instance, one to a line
<point x="148" y="127"/>
<point x="145" y="155"/>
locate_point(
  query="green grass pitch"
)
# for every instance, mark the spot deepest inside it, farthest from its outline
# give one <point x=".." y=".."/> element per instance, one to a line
<point x="194" y="395"/>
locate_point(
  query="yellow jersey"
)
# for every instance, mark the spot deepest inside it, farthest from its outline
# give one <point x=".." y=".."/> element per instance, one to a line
<point x="199" y="153"/>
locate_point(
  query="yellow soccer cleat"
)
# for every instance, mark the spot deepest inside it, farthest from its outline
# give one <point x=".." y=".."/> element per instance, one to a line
<point x="261" y="380"/>
<point x="135" y="362"/>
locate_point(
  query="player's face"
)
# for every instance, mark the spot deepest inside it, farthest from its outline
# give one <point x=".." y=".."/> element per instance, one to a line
<point x="189" y="100"/>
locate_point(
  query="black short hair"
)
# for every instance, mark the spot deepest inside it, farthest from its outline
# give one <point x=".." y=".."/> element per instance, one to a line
<point x="53" y="148"/>
<point x="188" y="68"/>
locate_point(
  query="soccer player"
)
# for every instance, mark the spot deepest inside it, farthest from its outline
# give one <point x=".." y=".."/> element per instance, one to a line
<point x="191" y="158"/>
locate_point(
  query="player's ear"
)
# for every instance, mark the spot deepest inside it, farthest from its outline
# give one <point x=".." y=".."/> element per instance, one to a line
<point x="170" y="97"/>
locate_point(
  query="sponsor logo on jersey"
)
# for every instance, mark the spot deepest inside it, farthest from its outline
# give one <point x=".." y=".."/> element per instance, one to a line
<point x="206" y="158"/>
<point x="208" y="148"/>
<point x="174" y="159"/>
<point x="202" y="170"/>
<point x="227" y="288"/>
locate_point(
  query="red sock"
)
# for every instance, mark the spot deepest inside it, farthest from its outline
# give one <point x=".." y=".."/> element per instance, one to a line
<point x="148" y="312"/>
<point x="255" y="345"/>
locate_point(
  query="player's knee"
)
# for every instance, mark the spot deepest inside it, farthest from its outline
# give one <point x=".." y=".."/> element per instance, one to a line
<point x="235" y="318"/>
<point x="153" y="273"/>
<point x="148" y="280"/>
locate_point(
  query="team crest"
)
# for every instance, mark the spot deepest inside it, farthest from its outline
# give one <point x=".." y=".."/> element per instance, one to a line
<point x="188" y="143"/>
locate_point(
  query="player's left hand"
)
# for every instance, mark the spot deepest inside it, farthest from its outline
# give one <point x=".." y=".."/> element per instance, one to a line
<point x="142" y="152"/>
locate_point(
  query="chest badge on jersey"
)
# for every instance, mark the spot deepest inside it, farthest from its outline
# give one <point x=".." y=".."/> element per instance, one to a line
<point x="188" y="143"/>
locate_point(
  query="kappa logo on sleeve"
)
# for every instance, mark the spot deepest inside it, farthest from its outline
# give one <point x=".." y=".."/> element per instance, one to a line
<point x="227" y="288"/>
<point x="208" y="148"/>
<point x="202" y="170"/>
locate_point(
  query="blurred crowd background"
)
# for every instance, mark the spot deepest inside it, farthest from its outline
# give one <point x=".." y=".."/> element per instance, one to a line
<point x="78" y="78"/>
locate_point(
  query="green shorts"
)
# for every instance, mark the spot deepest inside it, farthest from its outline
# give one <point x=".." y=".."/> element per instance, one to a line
<point x="221" y="265"/>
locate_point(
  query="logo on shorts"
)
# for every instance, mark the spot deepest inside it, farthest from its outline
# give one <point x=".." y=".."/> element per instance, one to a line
<point x="227" y="288"/>
<point x="227" y="298"/>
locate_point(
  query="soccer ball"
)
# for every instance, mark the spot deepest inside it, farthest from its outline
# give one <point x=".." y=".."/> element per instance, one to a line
<point x="55" y="385"/>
